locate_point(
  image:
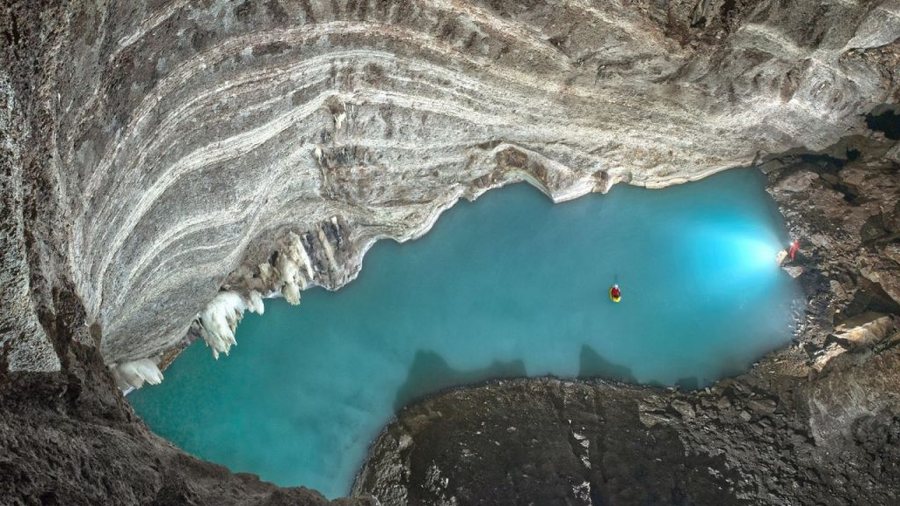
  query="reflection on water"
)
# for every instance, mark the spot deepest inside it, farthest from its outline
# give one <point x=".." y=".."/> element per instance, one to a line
<point x="508" y="286"/>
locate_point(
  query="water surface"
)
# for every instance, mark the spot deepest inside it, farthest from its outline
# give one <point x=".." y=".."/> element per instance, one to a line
<point x="510" y="285"/>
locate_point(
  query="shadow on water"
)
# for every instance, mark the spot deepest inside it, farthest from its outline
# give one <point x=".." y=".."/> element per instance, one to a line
<point x="430" y="373"/>
<point x="688" y="383"/>
<point x="729" y="367"/>
<point x="594" y="365"/>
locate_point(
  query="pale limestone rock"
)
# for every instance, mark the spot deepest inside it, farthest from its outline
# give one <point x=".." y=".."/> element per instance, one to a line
<point x="865" y="330"/>
<point x="684" y="409"/>
<point x="861" y="331"/>
<point x="781" y="257"/>
<point x="135" y="373"/>
<point x="255" y="303"/>
<point x="794" y="271"/>
<point x="218" y="321"/>
<point x="826" y="355"/>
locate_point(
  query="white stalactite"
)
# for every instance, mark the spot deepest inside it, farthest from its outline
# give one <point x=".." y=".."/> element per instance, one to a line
<point x="255" y="302"/>
<point x="289" y="274"/>
<point x="290" y="262"/>
<point x="267" y="274"/>
<point x="135" y="373"/>
<point x="221" y="316"/>
<point x="218" y="321"/>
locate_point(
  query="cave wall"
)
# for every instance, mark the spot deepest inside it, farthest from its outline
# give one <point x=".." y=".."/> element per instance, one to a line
<point x="158" y="151"/>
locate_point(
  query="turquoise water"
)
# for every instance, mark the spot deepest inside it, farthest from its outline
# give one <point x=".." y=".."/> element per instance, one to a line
<point x="510" y="285"/>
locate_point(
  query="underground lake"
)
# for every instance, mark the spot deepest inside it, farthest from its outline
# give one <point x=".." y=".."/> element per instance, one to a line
<point x="510" y="285"/>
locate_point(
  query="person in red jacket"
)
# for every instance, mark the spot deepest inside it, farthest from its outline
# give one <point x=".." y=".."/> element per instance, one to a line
<point x="615" y="293"/>
<point x="795" y="247"/>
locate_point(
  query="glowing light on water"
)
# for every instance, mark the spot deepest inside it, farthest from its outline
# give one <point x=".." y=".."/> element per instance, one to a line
<point x="754" y="253"/>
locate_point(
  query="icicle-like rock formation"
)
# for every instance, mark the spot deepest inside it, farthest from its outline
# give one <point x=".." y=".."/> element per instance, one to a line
<point x="163" y="151"/>
<point x="295" y="268"/>
<point x="219" y="319"/>
<point x="135" y="373"/>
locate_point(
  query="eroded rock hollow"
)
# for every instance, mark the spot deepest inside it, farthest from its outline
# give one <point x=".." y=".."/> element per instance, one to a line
<point x="168" y="163"/>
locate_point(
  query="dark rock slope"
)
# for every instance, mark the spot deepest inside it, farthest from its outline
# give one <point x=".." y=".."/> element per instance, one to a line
<point x="69" y="438"/>
<point x="815" y="423"/>
<point x="81" y="447"/>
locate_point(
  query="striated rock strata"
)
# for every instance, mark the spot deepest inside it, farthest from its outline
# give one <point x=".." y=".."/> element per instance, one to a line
<point x="161" y="151"/>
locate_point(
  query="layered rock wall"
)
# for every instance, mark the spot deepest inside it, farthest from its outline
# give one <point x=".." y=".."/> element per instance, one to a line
<point x="157" y="147"/>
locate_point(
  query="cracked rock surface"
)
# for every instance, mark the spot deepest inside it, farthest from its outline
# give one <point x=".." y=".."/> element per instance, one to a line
<point x="547" y="441"/>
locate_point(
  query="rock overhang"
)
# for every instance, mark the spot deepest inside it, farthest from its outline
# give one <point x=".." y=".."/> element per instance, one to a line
<point x="190" y="142"/>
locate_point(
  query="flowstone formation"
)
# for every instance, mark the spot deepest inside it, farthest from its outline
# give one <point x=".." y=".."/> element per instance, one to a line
<point x="166" y="164"/>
